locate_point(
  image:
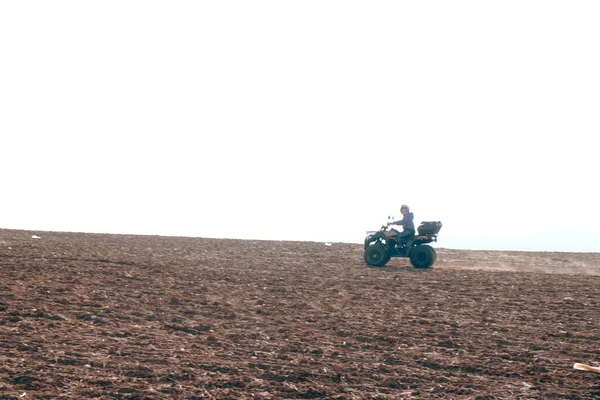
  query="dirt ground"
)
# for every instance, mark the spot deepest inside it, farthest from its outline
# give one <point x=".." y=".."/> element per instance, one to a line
<point x="86" y="316"/>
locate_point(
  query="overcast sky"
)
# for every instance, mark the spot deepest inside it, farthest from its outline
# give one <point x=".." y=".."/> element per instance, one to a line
<point x="303" y="120"/>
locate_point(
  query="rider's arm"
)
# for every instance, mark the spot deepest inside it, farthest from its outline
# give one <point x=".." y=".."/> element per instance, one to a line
<point x="408" y="217"/>
<point x="400" y="222"/>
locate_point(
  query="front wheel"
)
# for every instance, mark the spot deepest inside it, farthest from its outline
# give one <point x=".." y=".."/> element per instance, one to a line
<point x="423" y="256"/>
<point x="376" y="255"/>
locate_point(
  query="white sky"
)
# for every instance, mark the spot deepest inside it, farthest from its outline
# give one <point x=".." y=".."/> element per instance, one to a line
<point x="309" y="120"/>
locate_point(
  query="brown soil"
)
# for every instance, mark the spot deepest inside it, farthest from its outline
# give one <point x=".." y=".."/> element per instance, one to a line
<point x="149" y="317"/>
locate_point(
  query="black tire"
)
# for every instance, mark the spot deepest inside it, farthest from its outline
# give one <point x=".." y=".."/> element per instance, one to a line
<point x="376" y="255"/>
<point x="423" y="256"/>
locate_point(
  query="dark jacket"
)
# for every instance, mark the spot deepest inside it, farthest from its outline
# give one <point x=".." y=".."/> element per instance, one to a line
<point x="407" y="222"/>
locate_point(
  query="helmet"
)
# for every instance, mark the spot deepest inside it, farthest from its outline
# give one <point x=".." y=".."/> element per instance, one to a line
<point x="404" y="207"/>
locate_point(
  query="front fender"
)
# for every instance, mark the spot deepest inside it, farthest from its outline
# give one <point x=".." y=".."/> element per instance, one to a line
<point x="376" y="237"/>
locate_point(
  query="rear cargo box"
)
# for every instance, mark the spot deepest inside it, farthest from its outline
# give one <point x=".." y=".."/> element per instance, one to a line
<point x="429" y="227"/>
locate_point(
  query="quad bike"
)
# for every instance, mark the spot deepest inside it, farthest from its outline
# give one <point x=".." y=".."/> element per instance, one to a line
<point x="382" y="245"/>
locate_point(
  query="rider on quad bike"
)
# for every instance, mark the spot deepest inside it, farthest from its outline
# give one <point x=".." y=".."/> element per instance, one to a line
<point x="386" y="243"/>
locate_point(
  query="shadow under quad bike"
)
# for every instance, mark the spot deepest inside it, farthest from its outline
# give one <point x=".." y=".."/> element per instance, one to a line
<point x="382" y="245"/>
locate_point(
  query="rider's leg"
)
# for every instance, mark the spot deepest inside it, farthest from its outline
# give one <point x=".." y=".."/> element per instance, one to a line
<point x="402" y="235"/>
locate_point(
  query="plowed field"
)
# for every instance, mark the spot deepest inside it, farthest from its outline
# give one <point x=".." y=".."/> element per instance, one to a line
<point x="86" y="316"/>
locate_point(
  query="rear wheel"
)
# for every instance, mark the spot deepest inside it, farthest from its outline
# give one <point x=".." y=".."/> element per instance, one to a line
<point x="376" y="255"/>
<point x="423" y="256"/>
